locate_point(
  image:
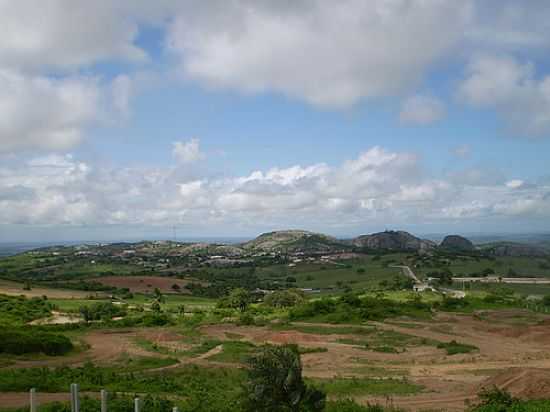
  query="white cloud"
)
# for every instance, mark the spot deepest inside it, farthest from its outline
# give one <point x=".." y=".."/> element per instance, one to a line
<point x="377" y="187"/>
<point x="45" y="113"/>
<point x="68" y="35"/>
<point x="512" y="89"/>
<point x="326" y="53"/>
<point x="422" y="110"/>
<point x="187" y="152"/>
<point x="122" y="90"/>
<point x="515" y="183"/>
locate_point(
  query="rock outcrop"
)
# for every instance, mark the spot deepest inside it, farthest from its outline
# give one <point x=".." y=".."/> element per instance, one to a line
<point x="393" y="240"/>
<point x="457" y="243"/>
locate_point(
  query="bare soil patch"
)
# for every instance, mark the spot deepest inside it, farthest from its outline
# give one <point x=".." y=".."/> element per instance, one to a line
<point x="8" y="287"/>
<point x="144" y="284"/>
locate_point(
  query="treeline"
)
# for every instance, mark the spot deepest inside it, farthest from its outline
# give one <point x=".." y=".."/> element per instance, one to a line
<point x="221" y="283"/>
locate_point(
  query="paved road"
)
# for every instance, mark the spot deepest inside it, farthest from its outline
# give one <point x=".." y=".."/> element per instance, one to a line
<point x="408" y="272"/>
<point x="492" y="279"/>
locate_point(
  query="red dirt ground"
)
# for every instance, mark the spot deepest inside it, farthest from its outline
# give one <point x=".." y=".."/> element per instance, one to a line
<point x="144" y="284"/>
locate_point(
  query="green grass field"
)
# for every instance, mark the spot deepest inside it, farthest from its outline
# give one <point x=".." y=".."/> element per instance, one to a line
<point x="522" y="266"/>
<point x="356" y="273"/>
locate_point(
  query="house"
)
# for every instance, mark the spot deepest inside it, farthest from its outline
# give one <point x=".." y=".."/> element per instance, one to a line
<point x="422" y="287"/>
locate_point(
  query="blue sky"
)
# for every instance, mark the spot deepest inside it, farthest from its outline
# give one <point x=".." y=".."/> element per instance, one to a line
<point x="229" y="119"/>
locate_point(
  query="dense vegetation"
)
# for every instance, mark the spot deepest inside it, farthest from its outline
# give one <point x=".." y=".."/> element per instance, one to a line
<point x="351" y="308"/>
<point x="16" y="339"/>
<point x="18" y="309"/>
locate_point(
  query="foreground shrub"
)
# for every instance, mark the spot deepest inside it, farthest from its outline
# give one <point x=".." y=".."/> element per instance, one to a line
<point x="275" y="383"/>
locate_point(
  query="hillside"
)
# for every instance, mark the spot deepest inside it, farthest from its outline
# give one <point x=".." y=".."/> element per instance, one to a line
<point x="393" y="240"/>
<point x="295" y="241"/>
<point x="513" y="249"/>
<point x="457" y="243"/>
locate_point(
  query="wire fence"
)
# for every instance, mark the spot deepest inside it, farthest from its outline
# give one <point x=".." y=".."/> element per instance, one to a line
<point x="75" y="400"/>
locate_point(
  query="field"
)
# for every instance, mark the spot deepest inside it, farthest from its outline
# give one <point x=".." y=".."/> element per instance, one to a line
<point x="347" y="361"/>
<point x="144" y="284"/>
<point x="522" y="266"/>
<point x="361" y="337"/>
<point x="8" y="287"/>
<point x="359" y="272"/>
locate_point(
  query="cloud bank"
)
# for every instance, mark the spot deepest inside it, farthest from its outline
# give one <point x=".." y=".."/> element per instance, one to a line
<point x="378" y="185"/>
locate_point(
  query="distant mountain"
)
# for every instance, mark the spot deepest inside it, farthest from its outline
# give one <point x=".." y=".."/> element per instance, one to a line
<point x="457" y="243"/>
<point x="295" y="241"/>
<point x="393" y="240"/>
<point x="513" y="249"/>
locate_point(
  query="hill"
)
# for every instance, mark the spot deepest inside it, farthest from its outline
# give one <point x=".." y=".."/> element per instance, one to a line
<point x="295" y="241"/>
<point x="513" y="249"/>
<point x="393" y="240"/>
<point x="458" y="243"/>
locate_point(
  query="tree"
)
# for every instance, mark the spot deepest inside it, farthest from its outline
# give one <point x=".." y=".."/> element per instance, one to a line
<point x="240" y="298"/>
<point x="155" y="307"/>
<point x="181" y="309"/>
<point x="275" y="383"/>
<point x="284" y="298"/>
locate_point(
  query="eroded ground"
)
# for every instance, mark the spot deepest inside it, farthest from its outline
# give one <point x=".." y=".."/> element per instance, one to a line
<point x="512" y="353"/>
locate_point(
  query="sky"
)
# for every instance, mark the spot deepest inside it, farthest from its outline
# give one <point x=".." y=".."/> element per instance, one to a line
<point x="127" y="119"/>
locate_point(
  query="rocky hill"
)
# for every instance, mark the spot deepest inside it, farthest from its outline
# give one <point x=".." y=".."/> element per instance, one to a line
<point x="295" y="241"/>
<point x="393" y="240"/>
<point x="457" y="243"/>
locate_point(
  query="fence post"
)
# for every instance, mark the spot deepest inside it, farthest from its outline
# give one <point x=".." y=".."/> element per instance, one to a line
<point x="103" y="400"/>
<point x="75" y="401"/>
<point x="33" y="399"/>
<point x="136" y="405"/>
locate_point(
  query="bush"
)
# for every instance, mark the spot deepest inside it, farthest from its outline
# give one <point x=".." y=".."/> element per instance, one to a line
<point x="453" y="347"/>
<point x="275" y="382"/>
<point x="284" y="298"/>
<point x="18" y="342"/>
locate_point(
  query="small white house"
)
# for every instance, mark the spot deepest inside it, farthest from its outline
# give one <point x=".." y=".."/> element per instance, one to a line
<point x="422" y="287"/>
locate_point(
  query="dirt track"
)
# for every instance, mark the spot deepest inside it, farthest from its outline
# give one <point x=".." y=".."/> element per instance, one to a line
<point x="513" y="354"/>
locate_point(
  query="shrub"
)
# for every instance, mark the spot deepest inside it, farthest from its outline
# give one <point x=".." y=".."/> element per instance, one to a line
<point x="453" y="347"/>
<point x="18" y="342"/>
<point x="275" y="382"/>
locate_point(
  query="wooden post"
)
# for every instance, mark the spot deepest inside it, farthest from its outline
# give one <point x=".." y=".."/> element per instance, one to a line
<point x="136" y="405"/>
<point x="103" y="400"/>
<point x="33" y="400"/>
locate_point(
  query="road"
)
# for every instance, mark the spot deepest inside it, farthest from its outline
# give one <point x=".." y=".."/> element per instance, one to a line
<point x="408" y="272"/>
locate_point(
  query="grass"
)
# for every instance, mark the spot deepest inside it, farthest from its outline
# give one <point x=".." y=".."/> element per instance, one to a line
<point x="341" y="387"/>
<point x="233" y="352"/>
<point x="325" y="330"/>
<point x="325" y="275"/>
<point x="132" y="364"/>
<point x="523" y="266"/>
<point x="305" y="350"/>
<point x="72" y="305"/>
<point x="379" y="372"/>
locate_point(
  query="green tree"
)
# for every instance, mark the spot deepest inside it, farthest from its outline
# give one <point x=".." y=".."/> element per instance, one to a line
<point x="158" y="295"/>
<point x="284" y="298"/>
<point x="275" y="383"/>
<point x="240" y="298"/>
<point x="155" y="307"/>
